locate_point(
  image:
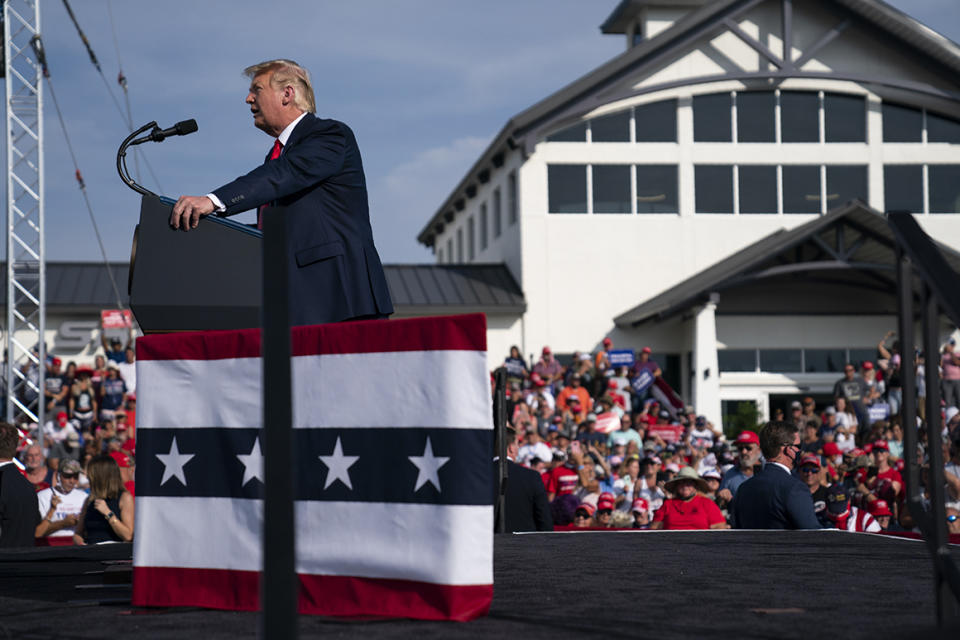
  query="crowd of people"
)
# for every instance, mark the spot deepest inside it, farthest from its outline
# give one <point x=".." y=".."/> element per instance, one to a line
<point x="80" y="463"/>
<point x="612" y="453"/>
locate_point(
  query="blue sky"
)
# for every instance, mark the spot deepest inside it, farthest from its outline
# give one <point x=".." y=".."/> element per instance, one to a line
<point x="425" y="84"/>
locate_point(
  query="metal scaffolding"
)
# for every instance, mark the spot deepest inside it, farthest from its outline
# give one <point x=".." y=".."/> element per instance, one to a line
<point x="24" y="364"/>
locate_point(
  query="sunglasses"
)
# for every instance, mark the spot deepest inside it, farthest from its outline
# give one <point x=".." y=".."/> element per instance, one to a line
<point x="604" y="512"/>
<point x="745" y="447"/>
<point x="952" y="518"/>
<point x="809" y="469"/>
<point x="581" y="514"/>
<point x="69" y="475"/>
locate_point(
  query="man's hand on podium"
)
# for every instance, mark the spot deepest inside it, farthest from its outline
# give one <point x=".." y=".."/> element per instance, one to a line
<point x="188" y="210"/>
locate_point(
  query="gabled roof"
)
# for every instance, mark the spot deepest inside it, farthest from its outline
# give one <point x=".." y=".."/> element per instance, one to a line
<point x="902" y="28"/>
<point x="85" y="287"/>
<point x="625" y="13"/>
<point x="850" y="248"/>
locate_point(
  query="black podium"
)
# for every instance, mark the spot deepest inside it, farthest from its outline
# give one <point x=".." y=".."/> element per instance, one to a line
<point x="207" y="278"/>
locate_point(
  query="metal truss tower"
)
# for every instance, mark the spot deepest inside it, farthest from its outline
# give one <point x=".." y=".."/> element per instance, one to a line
<point x="24" y="365"/>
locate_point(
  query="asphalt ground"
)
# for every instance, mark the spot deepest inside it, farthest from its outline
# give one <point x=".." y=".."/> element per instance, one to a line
<point x="698" y="584"/>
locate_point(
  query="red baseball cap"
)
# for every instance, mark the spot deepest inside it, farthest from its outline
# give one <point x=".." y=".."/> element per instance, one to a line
<point x="640" y="504"/>
<point x="546" y="350"/>
<point x="748" y="437"/>
<point x="868" y="365"/>
<point x="881" y="445"/>
<point x="586" y="506"/>
<point x="645" y="350"/>
<point x="810" y="458"/>
<point x="603" y="503"/>
<point x="879" y="508"/>
<point x="831" y="449"/>
<point x="607" y="342"/>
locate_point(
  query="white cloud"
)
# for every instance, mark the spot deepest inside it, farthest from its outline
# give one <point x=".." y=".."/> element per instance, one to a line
<point x="408" y="194"/>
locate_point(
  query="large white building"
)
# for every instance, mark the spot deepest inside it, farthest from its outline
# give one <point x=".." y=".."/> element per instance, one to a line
<point x="678" y="195"/>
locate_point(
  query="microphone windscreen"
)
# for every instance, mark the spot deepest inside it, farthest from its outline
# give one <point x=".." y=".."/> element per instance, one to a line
<point x="186" y="127"/>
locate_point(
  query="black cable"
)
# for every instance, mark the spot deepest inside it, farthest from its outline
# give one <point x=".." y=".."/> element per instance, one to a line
<point x="126" y="117"/>
<point x="83" y="190"/>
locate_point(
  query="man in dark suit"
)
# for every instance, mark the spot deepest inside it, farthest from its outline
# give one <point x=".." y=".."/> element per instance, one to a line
<point x="775" y="498"/>
<point x="527" y="508"/>
<point x="315" y="173"/>
<point x="19" y="508"/>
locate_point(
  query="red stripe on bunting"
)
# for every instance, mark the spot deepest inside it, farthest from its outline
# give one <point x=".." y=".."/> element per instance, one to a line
<point x="342" y="596"/>
<point x="443" y="333"/>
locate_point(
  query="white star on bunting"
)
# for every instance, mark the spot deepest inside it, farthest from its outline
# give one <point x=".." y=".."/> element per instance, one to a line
<point x="427" y="467"/>
<point x="173" y="463"/>
<point x="338" y="466"/>
<point x="252" y="463"/>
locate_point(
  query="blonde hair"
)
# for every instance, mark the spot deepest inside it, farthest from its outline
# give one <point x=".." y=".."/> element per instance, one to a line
<point x="287" y="72"/>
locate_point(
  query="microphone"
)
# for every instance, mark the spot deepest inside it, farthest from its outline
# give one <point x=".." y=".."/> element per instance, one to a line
<point x="183" y="128"/>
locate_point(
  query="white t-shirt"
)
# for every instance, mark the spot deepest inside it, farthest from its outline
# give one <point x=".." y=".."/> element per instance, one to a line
<point x="530" y="451"/>
<point x="128" y="371"/>
<point x="55" y="433"/>
<point x="70" y="504"/>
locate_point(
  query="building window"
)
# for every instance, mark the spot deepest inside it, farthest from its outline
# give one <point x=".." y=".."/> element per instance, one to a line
<point x="711" y="118"/>
<point x="799" y="116"/>
<point x="656" y="122"/>
<point x="497" y="214"/>
<point x="801" y="189"/>
<point x="942" y="129"/>
<point x="903" y="187"/>
<point x="824" y="360"/>
<point x="611" y="188"/>
<point x="575" y="133"/>
<point x="713" y="186"/>
<point x="484" y="234"/>
<point x="612" y="128"/>
<point x="657" y="189"/>
<point x="758" y="189"/>
<point x="450" y="249"/>
<point x="737" y="360"/>
<point x="901" y="124"/>
<point x="756" y="116"/>
<point x="567" y="188"/>
<point x="460" y="244"/>
<point x="845" y="118"/>
<point x="471" y="239"/>
<point x="512" y="205"/>
<point x="944" y="188"/>
<point x="846" y="183"/>
<point x="781" y="360"/>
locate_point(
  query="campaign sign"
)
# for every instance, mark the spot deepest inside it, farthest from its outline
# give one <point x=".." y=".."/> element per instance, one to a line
<point x="608" y="422"/>
<point x="642" y="382"/>
<point x="878" y="411"/>
<point x="621" y="357"/>
<point x="670" y="433"/>
<point x="115" y="318"/>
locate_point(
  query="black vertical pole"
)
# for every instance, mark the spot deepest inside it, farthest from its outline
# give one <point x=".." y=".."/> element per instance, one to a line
<point x="278" y="585"/>
<point x="946" y="604"/>
<point x="500" y="429"/>
<point x="908" y="378"/>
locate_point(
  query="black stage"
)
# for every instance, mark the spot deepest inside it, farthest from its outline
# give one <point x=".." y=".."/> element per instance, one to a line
<point x="698" y="584"/>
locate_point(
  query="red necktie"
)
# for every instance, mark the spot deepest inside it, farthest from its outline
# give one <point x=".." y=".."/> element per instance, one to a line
<point x="274" y="154"/>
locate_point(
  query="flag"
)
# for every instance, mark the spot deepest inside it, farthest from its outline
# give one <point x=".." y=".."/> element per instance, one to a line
<point x="392" y="447"/>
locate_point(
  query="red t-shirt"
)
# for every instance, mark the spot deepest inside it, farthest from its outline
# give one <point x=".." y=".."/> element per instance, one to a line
<point x="562" y="480"/>
<point x="698" y="513"/>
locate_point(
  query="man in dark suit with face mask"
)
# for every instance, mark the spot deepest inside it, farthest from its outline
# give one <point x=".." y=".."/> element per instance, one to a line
<point x="775" y="498"/>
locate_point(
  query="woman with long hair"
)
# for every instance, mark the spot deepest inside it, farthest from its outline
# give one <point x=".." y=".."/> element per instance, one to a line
<point x="107" y="514"/>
